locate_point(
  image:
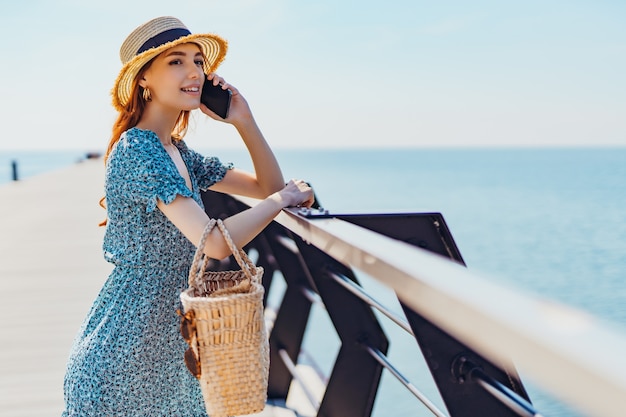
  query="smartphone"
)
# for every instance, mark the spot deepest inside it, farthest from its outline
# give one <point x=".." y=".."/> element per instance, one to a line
<point x="215" y="98"/>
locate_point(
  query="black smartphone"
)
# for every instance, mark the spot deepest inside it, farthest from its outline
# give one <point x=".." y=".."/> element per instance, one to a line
<point x="215" y="98"/>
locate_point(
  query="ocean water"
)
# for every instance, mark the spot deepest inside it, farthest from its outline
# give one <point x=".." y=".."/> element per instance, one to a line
<point x="548" y="221"/>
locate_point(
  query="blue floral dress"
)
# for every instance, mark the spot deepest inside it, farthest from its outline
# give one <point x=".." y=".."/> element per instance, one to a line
<point x="128" y="357"/>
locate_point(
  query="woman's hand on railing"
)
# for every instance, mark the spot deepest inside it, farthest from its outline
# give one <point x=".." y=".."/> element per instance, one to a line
<point x="297" y="193"/>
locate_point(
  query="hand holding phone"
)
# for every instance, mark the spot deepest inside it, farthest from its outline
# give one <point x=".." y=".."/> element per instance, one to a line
<point x="215" y="98"/>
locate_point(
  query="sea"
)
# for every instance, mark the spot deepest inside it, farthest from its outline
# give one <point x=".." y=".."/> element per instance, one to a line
<point x="547" y="221"/>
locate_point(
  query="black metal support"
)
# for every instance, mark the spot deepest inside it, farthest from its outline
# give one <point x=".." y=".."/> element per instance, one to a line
<point x="429" y="231"/>
<point x="425" y="230"/>
<point x="293" y="314"/>
<point x="351" y="389"/>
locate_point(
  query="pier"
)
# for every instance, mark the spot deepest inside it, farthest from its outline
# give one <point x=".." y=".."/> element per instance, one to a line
<point x="51" y="268"/>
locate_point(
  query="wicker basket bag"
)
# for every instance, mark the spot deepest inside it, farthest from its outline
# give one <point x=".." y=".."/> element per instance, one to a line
<point x="228" y="338"/>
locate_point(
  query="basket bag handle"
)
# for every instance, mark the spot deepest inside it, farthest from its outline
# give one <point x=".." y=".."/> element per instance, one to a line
<point x="200" y="260"/>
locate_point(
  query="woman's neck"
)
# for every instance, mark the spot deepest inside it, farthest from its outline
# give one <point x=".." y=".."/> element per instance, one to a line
<point x="159" y="122"/>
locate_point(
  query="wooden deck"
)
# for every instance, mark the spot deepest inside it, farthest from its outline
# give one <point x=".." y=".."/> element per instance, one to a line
<point x="51" y="269"/>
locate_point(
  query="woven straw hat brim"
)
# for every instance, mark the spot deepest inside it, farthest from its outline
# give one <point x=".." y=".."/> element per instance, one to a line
<point x="213" y="47"/>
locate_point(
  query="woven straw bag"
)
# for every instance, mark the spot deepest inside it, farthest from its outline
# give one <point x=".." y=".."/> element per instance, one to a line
<point x="230" y="341"/>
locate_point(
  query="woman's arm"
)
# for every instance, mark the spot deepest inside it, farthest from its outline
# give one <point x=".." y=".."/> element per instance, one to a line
<point x="267" y="177"/>
<point x="191" y="219"/>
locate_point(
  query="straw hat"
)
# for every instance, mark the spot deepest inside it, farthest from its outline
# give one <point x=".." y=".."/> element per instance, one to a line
<point x="154" y="37"/>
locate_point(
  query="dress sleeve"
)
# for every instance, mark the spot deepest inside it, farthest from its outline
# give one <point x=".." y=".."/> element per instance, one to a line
<point x="140" y="170"/>
<point x="207" y="169"/>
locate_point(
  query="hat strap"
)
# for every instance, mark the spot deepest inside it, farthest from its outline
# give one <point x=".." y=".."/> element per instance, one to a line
<point x="163" y="38"/>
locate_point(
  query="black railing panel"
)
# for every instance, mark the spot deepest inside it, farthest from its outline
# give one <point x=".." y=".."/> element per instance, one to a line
<point x="292" y="316"/>
<point x="463" y="398"/>
<point x="353" y="383"/>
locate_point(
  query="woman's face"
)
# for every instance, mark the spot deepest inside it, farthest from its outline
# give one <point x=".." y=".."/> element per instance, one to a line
<point x="175" y="77"/>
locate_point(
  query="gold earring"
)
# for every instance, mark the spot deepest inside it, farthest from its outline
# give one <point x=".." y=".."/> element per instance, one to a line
<point x="147" y="96"/>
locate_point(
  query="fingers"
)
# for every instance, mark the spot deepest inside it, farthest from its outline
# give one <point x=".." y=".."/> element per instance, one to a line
<point x="217" y="80"/>
<point x="305" y="197"/>
<point x="300" y="184"/>
<point x="307" y="203"/>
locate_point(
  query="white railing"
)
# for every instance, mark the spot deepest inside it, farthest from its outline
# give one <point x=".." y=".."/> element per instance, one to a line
<point x="569" y="353"/>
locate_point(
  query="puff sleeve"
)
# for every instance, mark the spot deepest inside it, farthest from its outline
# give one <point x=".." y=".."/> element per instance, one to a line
<point x="208" y="170"/>
<point x="140" y="171"/>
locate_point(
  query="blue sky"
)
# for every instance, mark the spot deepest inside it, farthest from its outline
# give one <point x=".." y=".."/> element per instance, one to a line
<point x="335" y="73"/>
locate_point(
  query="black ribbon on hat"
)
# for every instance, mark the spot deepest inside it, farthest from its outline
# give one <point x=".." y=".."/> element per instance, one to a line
<point x="163" y="38"/>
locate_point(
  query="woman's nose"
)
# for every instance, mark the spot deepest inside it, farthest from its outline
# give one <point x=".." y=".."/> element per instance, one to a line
<point x="196" y="72"/>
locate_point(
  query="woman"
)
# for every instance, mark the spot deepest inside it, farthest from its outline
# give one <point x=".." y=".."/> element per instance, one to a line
<point x="127" y="359"/>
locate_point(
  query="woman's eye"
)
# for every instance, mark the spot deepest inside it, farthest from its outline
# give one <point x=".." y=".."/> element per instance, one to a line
<point x="199" y="62"/>
<point x="175" y="62"/>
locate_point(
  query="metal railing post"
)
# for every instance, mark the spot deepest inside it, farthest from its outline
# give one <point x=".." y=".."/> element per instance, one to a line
<point x="14" y="174"/>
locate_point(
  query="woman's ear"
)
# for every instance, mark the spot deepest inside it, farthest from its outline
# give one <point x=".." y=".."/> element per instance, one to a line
<point x="142" y="82"/>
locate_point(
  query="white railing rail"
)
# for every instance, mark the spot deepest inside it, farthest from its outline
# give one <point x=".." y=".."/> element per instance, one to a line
<point x="569" y="353"/>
